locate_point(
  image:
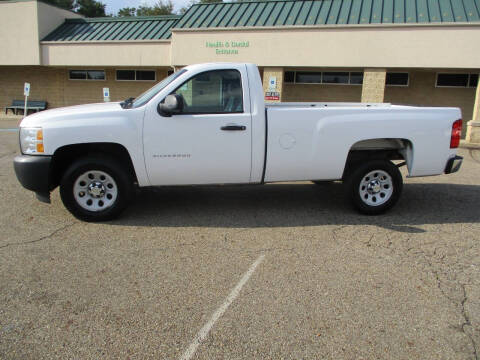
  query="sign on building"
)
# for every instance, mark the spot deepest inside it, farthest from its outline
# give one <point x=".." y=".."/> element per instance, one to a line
<point x="106" y="94"/>
<point x="272" y="95"/>
<point x="272" y="83"/>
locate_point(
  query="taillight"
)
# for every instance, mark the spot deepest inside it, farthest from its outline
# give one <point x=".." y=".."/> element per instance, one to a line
<point x="456" y="133"/>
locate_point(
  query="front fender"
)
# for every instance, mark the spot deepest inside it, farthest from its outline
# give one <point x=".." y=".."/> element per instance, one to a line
<point x="123" y="127"/>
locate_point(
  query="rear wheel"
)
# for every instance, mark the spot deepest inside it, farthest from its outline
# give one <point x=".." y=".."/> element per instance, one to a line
<point x="375" y="186"/>
<point x="96" y="189"/>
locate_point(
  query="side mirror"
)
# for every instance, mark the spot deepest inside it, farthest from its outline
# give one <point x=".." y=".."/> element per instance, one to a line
<point x="173" y="104"/>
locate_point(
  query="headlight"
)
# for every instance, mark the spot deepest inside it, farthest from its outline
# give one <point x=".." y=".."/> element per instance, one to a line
<point x="31" y="141"/>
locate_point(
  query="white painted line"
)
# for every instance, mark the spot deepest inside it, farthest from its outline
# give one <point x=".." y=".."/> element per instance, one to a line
<point x="202" y="334"/>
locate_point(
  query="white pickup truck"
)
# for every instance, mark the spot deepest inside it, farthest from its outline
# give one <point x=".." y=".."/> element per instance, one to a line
<point x="208" y="124"/>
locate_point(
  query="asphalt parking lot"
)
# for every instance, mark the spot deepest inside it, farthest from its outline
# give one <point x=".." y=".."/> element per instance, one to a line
<point x="283" y="271"/>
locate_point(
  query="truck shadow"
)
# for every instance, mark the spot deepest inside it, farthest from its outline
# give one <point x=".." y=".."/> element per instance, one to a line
<point x="302" y="204"/>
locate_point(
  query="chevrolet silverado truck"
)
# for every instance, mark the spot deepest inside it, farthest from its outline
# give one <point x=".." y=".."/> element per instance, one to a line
<point x="208" y="124"/>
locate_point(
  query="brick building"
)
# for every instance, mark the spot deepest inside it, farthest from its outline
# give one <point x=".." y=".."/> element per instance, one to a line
<point x="419" y="52"/>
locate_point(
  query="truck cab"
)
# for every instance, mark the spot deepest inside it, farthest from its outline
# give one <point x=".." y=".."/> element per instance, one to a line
<point x="219" y="128"/>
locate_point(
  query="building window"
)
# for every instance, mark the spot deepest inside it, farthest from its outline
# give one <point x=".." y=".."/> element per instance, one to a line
<point x="457" y="80"/>
<point x="356" y="78"/>
<point x="86" y="74"/>
<point x="289" y="77"/>
<point x="308" y="77"/>
<point x="125" y="75"/>
<point x="326" y="77"/>
<point x="396" y="79"/>
<point x="136" y="75"/>
<point x="335" y="78"/>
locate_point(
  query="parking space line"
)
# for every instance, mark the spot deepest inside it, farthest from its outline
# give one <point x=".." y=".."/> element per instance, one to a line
<point x="202" y="334"/>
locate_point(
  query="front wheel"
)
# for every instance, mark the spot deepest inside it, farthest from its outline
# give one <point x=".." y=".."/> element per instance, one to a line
<point x="375" y="186"/>
<point x="96" y="188"/>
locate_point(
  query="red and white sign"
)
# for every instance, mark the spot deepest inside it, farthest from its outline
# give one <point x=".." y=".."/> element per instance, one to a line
<point x="272" y="95"/>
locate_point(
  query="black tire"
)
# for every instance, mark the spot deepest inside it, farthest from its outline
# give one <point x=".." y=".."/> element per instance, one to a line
<point x="100" y="163"/>
<point x="358" y="185"/>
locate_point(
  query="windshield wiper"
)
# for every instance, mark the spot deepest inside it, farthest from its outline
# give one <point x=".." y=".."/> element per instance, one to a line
<point x="127" y="104"/>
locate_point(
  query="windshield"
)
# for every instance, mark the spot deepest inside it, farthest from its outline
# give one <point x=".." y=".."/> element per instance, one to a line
<point x="150" y="93"/>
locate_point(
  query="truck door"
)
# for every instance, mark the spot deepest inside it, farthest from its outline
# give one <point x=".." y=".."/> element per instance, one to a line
<point x="209" y="141"/>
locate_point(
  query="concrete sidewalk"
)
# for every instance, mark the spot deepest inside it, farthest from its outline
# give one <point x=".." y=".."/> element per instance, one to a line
<point x="10" y="121"/>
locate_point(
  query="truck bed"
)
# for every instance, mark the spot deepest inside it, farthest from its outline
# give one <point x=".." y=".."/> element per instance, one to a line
<point x="312" y="140"/>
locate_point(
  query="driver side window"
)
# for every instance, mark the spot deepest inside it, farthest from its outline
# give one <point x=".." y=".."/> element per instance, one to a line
<point x="212" y="92"/>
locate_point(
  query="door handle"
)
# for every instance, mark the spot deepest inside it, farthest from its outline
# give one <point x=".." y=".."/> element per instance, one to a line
<point x="233" y="128"/>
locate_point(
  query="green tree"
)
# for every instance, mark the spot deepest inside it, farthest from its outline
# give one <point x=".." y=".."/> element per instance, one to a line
<point x="162" y="7"/>
<point x="90" y="8"/>
<point x="127" y="11"/>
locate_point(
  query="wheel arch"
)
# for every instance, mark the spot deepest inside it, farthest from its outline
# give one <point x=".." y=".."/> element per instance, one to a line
<point x="64" y="156"/>
<point x="381" y="149"/>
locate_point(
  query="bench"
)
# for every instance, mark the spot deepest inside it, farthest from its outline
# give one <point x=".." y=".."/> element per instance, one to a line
<point x="31" y="105"/>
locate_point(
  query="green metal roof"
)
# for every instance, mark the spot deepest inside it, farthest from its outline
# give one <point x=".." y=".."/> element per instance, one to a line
<point x="270" y="13"/>
<point x="124" y="28"/>
<point x="329" y="12"/>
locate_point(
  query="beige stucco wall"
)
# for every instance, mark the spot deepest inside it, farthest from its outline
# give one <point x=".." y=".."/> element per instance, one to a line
<point x="473" y="126"/>
<point x="50" y="17"/>
<point x="373" y="88"/>
<point x="278" y="73"/>
<point x="105" y="53"/>
<point x="19" y="33"/>
<point x="476" y="105"/>
<point x="353" y="46"/>
<point x="52" y="84"/>
<point x="22" y="25"/>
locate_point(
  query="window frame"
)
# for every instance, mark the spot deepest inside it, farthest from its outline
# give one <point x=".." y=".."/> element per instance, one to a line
<point x="321" y="78"/>
<point x="453" y="86"/>
<point x="350" y="77"/>
<point x="211" y="113"/>
<point x="470" y="79"/>
<point x="135" y="72"/>
<point x="397" y="72"/>
<point x="336" y="72"/>
<point x="307" y="83"/>
<point x="86" y="75"/>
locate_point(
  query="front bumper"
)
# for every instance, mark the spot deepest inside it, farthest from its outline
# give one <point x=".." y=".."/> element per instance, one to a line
<point x="33" y="172"/>
<point x="453" y="165"/>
